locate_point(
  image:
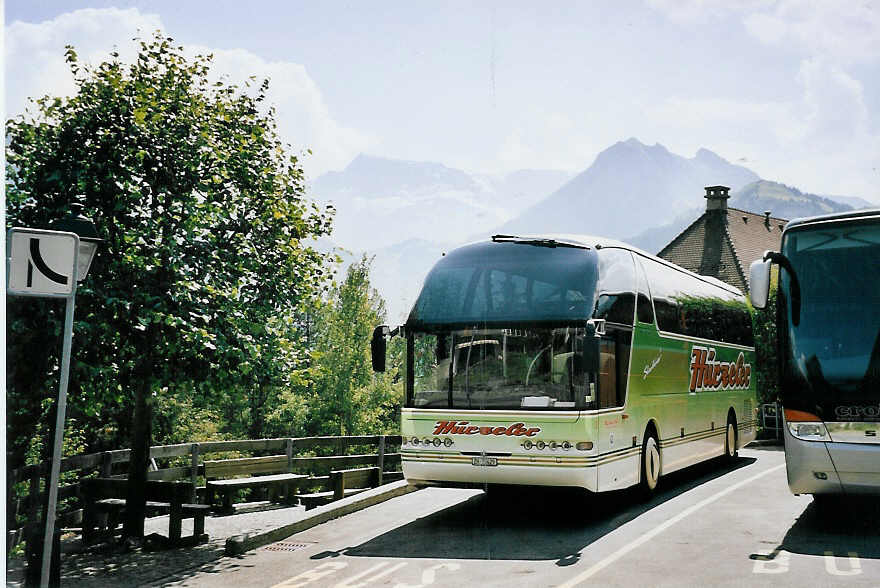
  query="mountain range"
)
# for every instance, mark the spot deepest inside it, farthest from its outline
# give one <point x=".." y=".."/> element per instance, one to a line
<point x="407" y="213"/>
<point x="380" y="202"/>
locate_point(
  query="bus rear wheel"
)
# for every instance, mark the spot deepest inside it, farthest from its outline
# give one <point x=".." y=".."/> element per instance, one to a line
<point x="650" y="465"/>
<point x="730" y="441"/>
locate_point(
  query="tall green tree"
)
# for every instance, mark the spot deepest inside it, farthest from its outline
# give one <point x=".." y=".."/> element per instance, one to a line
<point x="347" y="397"/>
<point x="207" y="257"/>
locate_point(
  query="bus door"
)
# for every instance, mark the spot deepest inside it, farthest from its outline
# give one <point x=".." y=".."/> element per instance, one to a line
<point x="615" y="303"/>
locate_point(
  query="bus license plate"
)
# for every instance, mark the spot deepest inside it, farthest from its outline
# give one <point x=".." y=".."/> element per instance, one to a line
<point x="484" y="461"/>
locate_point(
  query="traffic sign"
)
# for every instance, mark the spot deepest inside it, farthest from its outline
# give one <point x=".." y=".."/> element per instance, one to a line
<point x="41" y="263"/>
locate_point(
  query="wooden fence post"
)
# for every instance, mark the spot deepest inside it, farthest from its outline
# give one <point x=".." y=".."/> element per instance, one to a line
<point x="288" y="448"/>
<point x="106" y="464"/>
<point x="194" y="471"/>
<point x="381" y="463"/>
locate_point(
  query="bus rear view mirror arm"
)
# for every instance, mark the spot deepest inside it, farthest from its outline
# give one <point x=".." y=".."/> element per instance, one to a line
<point x="782" y="261"/>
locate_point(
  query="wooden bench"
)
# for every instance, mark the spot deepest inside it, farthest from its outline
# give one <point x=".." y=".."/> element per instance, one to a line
<point x="107" y="496"/>
<point x="344" y="483"/>
<point x="218" y="475"/>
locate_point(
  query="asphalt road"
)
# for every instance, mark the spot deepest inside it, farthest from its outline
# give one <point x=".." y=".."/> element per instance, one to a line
<point x="716" y="524"/>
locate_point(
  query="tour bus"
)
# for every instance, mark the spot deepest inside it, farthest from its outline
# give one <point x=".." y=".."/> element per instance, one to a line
<point x="561" y="360"/>
<point x="828" y="319"/>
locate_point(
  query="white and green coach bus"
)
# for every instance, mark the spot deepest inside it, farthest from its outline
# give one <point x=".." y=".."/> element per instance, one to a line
<point x="570" y="361"/>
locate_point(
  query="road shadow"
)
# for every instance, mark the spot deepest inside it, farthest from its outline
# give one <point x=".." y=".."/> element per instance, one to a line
<point x="112" y="564"/>
<point x="841" y="526"/>
<point x="529" y="523"/>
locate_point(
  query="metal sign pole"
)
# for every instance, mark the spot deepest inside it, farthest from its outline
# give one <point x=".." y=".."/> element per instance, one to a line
<point x="61" y="409"/>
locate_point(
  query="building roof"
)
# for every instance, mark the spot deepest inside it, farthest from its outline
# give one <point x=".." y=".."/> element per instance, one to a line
<point x="725" y="250"/>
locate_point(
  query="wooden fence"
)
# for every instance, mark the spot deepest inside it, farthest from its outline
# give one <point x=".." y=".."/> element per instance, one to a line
<point x="315" y="456"/>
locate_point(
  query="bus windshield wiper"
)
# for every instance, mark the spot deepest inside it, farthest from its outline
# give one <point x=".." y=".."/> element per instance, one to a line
<point x="536" y="242"/>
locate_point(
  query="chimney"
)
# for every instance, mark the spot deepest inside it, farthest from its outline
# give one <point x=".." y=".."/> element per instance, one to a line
<point x="767" y="218"/>
<point x="716" y="197"/>
<point x="715" y="229"/>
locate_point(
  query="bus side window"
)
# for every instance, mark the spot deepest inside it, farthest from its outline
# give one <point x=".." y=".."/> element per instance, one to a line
<point x="615" y="292"/>
<point x="644" y="307"/>
<point x="666" y="286"/>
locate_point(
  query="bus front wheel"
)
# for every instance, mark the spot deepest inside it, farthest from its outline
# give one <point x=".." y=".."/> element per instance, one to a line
<point x="650" y="464"/>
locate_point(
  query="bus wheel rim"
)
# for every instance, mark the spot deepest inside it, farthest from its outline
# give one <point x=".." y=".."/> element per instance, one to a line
<point x="652" y="463"/>
<point x="731" y="440"/>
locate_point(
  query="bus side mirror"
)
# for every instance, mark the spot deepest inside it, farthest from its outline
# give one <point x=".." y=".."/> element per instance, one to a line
<point x="759" y="282"/>
<point x="590" y="357"/>
<point x="378" y="348"/>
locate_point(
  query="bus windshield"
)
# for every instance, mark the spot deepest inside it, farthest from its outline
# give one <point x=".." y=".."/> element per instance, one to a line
<point x="514" y="368"/>
<point x="504" y="282"/>
<point x="832" y="357"/>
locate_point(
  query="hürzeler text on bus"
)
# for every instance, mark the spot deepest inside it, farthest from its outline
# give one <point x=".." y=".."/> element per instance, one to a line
<point x="828" y="324"/>
<point x="570" y="361"/>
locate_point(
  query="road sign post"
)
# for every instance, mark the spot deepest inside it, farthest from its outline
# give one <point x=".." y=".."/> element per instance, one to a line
<point x="44" y="263"/>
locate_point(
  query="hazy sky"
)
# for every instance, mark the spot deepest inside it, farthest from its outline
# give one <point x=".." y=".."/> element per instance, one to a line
<point x="789" y="88"/>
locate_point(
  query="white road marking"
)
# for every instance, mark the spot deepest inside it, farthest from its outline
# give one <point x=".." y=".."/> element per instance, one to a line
<point x="774" y="562"/>
<point x="602" y="564"/>
<point x="347" y="582"/>
<point x="309" y="576"/>
<point x="855" y="564"/>
<point x="430" y="575"/>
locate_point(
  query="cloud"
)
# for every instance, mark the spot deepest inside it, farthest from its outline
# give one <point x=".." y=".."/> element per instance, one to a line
<point x="539" y="139"/>
<point x="821" y="142"/>
<point x="303" y="118"/>
<point x="847" y="32"/>
<point x="826" y="138"/>
<point x="35" y="51"/>
<point x="702" y="11"/>
<point x="35" y="67"/>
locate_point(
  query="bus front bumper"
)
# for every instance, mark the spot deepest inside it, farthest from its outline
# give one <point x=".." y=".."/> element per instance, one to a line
<point x="464" y="473"/>
<point x="827" y="467"/>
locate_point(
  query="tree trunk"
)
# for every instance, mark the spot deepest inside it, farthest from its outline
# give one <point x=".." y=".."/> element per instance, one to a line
<point x="136" y="500"/>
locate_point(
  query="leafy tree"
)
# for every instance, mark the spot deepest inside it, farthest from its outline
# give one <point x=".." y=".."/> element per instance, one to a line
<point x="207" y="261"/>
<point x="347" y="397"/>
<point x="767" y="368"/>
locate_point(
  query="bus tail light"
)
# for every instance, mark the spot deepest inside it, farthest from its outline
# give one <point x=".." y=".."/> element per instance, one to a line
<point x="584" y="445"/>
<point x="800" y="416"/>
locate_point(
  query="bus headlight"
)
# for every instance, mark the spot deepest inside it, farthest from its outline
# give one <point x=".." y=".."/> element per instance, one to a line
<point x="808" y="431"/>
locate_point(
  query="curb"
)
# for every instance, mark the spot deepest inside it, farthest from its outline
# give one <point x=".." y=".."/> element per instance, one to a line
<point x="239" y="544"/>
